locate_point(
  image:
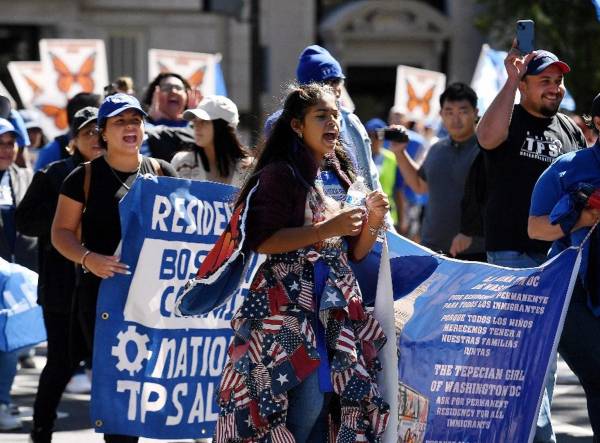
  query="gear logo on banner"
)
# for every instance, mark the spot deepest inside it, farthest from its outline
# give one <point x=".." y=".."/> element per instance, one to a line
<point x="120" y="351"/>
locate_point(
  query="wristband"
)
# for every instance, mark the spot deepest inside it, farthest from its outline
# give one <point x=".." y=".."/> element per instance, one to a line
<point x="83" y="257"/>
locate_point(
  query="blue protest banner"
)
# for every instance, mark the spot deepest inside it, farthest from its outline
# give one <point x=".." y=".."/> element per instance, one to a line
<point x="155" y="374"/>
<point x="21" y="319"/>
<point x="475" y="342"/>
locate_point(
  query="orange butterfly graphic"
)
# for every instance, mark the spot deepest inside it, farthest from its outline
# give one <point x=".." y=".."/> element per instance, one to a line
<point x="66" y="78"/>
<point x="423" y="102"/>
<point x="35" y="88"/>
<point x="58" y="114"/>
<point x="195" y="80"/>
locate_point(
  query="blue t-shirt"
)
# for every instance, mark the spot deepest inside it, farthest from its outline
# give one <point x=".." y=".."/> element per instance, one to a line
<point x="562" y="177"/>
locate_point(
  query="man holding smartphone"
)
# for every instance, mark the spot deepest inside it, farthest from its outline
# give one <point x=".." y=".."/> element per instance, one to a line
<point x="519" y="142"/>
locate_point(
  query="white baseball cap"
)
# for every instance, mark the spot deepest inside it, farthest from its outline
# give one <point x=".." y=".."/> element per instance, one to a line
<point x="213" y="107"/>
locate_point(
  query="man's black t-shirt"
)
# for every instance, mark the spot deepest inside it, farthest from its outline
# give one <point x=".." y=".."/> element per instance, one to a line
<point x="101" y="228"/>
<point x="512" y="170"/>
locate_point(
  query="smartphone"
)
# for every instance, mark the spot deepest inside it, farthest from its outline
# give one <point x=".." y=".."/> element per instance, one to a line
<point x="395" y="135"/>
<point x="525" y="36"/>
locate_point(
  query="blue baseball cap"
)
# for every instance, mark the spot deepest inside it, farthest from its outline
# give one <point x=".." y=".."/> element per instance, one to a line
<point x="6" y="126"/>
<point x="117" y="103"/>
<point x="316" y="64"/>
<point x="270" y="122"/>
<point x="544" y="59"/>
<point x="374" y="125"/>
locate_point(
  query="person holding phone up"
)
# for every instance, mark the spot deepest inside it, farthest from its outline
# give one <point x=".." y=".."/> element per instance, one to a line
<point x="519" y="142"/>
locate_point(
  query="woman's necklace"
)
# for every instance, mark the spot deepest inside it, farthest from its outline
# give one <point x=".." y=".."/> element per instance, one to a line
<point x="125" y="185"/>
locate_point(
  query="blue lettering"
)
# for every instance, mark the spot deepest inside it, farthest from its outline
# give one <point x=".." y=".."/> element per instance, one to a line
<point x="167" y="266"/>
<point x="163" y="301"/>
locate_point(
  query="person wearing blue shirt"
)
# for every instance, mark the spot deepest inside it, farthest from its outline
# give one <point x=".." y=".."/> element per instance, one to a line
<point x="559" y="214"/>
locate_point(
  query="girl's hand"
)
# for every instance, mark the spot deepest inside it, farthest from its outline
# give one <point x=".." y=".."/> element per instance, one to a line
<point x="377" y="206"/>
<point x="105" y="266"/>
<point x="347" y="222"/>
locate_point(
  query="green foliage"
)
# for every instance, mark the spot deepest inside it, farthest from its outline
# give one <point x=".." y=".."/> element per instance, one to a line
<point x="569" y="28"/>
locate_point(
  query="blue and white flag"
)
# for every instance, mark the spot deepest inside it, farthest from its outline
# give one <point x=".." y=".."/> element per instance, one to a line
<point x="156" y="375"/>
<point x="474" y="343"/>
<point x="490" y="75"/>
<point x="21" y="319"/>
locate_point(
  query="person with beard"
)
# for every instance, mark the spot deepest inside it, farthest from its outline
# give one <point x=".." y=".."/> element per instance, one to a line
<point x="519" y="142"/>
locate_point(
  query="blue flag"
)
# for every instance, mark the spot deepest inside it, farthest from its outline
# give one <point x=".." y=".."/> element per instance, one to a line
<point x="21" y="319"/>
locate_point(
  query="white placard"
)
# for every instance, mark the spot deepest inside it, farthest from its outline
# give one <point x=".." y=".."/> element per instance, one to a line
<point x="199" y="69"/>
<point x="418" y="91"/>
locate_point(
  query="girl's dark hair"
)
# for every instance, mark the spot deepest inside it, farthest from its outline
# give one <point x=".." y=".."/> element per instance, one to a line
<point x="148" y="94"/>
<point x="228" y="148"/>
<point x="282" y="141"/>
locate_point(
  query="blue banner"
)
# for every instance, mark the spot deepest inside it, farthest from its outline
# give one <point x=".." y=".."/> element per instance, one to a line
<point x="21" y="319"/>
<point x="475" y="342"/>
<point x="154" y="374"/>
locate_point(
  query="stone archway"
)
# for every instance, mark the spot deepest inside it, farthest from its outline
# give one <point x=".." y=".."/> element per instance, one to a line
<point x="386" y="32"/>
<point x="371" y="37"/>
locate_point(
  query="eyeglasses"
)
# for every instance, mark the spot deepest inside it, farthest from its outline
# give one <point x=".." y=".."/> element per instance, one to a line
<point x="171" y="87"/>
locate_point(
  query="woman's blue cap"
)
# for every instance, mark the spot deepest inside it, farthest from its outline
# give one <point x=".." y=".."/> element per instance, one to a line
<point x="117" y="103"/>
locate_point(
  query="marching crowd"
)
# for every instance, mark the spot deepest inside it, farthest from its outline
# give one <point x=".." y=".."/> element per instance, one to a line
<point x="510" y="188"/>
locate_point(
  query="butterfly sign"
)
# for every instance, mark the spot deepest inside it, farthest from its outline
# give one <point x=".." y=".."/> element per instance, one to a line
<point x="202" y="71"/>
<point x="30" y="82"/>
<point x="73" y="66"/>
<point x="418" y="91"/>
<point x="28" y="78"/>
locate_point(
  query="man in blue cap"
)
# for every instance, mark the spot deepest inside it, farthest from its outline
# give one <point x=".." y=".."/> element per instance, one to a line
<point x="519" y="142"/>
<point x="317" y="65"/>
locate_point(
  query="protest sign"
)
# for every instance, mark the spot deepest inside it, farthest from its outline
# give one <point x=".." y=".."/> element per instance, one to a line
<point x="28" y="78"/>
<point x="202" y="71"/>
<point x="69" y="67"/>
<point x="418" y="92"/>
<point x="155" y="374"/>
<point x="475" y="342"/>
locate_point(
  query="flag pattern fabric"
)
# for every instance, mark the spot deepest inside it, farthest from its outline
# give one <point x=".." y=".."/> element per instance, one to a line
<point x="275" y="347"/>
